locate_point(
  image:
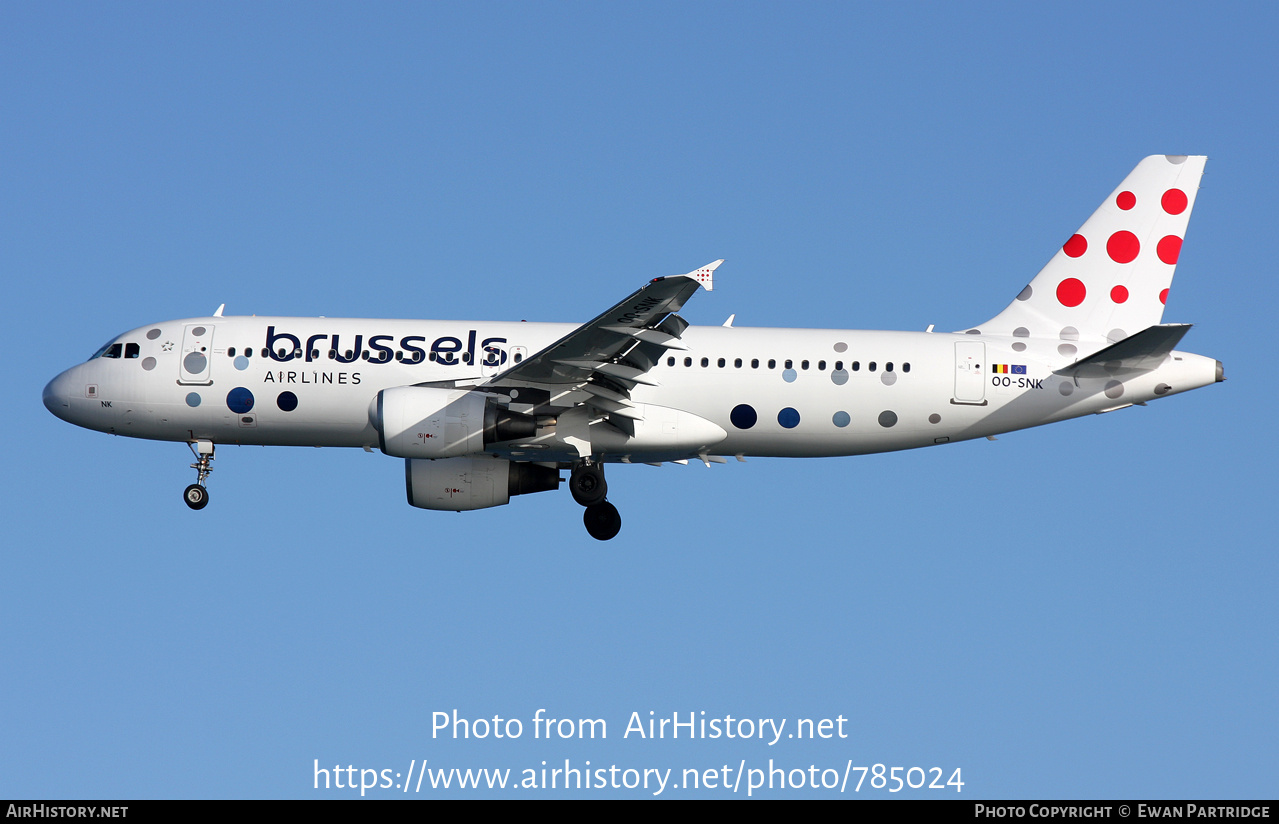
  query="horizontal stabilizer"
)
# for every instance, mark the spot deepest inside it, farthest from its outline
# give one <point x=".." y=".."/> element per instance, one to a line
<point x="1140" y="353"/>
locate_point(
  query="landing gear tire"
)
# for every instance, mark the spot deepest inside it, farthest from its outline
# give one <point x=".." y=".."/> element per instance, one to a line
<point x="196" y="496"/>
<point x="588" y="486"/>
<point x="602" y="521"/>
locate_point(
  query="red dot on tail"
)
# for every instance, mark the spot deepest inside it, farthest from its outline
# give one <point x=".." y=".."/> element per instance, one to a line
<point x="1123" y="247"/>
<point x="1071" y="292"/>
<point x="1163" y="296"/>
<point x="1119" y="294"/>
<point x="1076" y="246"/>
<point x="1126" y="200"/>
<point x="1174" y="201"/>
<point x="1169" y="249"/>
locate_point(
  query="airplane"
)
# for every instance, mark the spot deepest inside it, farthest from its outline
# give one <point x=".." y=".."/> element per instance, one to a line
<point x="482" y="411"/>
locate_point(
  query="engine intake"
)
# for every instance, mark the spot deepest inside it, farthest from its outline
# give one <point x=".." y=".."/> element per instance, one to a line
<point x="428" y="422"/>
<point x="473" y="482"/>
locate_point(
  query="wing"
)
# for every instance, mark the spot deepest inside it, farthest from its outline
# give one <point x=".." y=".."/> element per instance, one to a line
<point x="598" y="364"/>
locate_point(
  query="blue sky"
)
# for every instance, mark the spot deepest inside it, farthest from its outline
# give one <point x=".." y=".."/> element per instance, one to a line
<point x="1082" y="610"/>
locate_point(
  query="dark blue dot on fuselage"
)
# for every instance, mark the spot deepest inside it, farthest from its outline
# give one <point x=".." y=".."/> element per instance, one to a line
<point x="788" y="418"/>
<point x="287" y="401"/>
<point x="743" y="416"/>
<point x="239" y="400"/>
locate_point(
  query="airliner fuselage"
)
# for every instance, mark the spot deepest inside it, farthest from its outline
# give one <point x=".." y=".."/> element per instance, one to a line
<point x="805" y="392"/>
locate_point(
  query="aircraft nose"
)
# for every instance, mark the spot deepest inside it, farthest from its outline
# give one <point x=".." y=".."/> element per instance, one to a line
<point x="57" y="396"/>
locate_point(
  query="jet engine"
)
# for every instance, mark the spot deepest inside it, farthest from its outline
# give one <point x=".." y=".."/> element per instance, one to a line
<point x="429" y="422"/>
<point x="473" y="482"/>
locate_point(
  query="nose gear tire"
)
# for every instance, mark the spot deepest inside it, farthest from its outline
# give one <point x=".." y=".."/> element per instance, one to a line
<point x="196" y="496"/>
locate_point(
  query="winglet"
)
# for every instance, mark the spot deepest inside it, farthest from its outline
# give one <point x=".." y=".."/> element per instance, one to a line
<point x="703" y="275"/>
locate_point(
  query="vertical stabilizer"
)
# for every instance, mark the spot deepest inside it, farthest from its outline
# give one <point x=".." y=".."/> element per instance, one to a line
<point x="1111" y="278"/>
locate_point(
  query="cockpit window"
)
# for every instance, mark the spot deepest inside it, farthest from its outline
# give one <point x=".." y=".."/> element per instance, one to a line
<point x="116" y="349"/>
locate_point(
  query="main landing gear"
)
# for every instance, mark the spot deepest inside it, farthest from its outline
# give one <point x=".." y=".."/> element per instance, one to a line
<point x="196" y="496"/>
<point x="589" y="488"/>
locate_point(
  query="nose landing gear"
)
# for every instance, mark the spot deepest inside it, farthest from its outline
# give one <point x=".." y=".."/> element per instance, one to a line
<point x="587" y="484"/>
<point x="195" y="495"/>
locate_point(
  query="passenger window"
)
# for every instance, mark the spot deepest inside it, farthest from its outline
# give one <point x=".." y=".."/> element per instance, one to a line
<point x="821" y="366"/>
<point x="754" y="363"/>
<point x="905" y="367"/>
<point x="737" y="363"/>
<point x="721" y="363"/>
<point x="871" y="366"/>
<point x="688" y="361"/>
<point x="230" y="353"/>
<point x="888" y="367"/>
<point x="772" y="364"/>
<point x="790" y="364"/>
<point x="706" y="362"/>
<point x="670" y="361"/>
<point x="803" y="365"/>
<point x="857" y="366"/>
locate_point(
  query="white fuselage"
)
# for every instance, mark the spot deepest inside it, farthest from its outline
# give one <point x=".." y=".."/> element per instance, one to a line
<point x="773" y="392"/>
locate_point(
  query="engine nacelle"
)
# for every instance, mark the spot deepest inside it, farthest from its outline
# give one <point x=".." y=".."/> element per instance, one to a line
<point x="473" y="482"/>
<point x="428" y="422"/>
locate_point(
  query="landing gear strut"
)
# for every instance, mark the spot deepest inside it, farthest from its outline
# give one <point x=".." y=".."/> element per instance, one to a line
<point x="589" y="489"/>
<point x="196" y="496"/>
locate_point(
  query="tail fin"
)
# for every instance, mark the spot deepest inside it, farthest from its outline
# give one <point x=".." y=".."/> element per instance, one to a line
<point x="1111" y="278"/>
